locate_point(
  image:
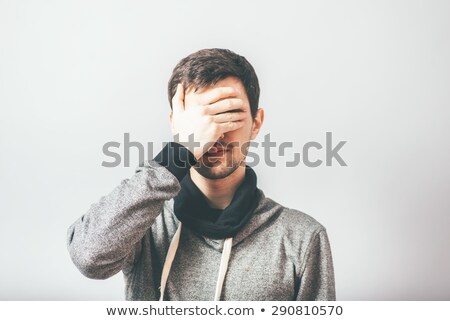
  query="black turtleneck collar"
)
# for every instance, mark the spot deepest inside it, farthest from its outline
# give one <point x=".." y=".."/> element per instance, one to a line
<point x="192" y="209"/>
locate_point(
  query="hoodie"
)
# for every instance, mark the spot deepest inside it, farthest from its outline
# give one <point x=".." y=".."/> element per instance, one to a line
<point x="280" y="254"/>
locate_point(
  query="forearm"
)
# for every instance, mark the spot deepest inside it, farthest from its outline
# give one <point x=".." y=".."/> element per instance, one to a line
<point x="101" y="240"/>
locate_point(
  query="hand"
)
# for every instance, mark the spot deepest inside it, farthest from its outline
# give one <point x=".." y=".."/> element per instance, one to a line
<point x="208" y="120"/>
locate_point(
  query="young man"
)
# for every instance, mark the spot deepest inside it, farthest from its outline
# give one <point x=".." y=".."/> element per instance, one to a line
<point x="191" y="224"/>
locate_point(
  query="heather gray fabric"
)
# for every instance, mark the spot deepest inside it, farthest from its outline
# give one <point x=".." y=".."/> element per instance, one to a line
<point x="281" y="254"/>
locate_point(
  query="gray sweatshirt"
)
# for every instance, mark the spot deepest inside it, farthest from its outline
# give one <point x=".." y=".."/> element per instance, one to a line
<point x="281" y="254"/>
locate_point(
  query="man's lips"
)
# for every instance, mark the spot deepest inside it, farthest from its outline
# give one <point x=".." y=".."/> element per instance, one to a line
<point x="217" y="150"/>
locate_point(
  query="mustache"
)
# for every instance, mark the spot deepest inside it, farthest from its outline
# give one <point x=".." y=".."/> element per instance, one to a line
<point x="220" y="146"/>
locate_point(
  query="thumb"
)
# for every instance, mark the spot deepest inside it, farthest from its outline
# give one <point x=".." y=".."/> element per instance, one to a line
<point x="178" y="99"/>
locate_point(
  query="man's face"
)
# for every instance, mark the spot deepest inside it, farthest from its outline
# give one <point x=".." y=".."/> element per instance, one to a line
<point x="234" y="143"/>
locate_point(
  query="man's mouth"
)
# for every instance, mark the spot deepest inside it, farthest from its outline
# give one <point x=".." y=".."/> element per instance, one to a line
<point x="217" y="150"/>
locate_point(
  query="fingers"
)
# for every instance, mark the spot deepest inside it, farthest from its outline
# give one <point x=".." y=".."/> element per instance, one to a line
<point x="218" y="93"/>
<point x="230" y="126"/>
<point x="225" y="105"/>
<point x="229" y="117"/>
<point x="178" y="99"/>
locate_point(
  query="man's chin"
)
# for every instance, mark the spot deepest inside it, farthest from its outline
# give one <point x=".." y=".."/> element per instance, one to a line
<point x="216" y="172"/>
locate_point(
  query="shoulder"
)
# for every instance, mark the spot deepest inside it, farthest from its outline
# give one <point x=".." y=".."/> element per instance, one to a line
<point x="293" y="218"/>
<point x="300" y="234"/>
<point x="290" y="218"/>
<point x="295" y="225"/>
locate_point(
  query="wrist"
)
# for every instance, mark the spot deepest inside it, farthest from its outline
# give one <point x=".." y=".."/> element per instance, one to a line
<point x="176" y="158"/>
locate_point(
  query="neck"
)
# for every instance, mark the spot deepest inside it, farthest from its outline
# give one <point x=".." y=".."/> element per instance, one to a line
<point x="219" y="192"/>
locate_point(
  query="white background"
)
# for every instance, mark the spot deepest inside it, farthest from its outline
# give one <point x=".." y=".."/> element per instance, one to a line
<point x="77" y="74"/>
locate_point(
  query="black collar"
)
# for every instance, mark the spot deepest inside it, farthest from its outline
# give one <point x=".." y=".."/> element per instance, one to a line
<point x="192" y="209"/>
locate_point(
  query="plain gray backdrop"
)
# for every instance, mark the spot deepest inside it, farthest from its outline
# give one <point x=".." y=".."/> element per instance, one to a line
<point x="77" y="74"/>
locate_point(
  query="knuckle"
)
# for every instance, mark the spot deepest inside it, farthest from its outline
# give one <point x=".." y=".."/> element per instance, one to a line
<point x="227" y="91"/>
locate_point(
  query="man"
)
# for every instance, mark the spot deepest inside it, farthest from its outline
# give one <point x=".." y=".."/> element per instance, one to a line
<point x="191" y="224"/>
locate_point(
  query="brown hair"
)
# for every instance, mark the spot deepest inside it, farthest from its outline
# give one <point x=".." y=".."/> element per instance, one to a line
<point x="208" y="66"/>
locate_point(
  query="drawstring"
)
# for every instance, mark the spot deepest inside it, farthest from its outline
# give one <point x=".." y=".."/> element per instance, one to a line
<point x="169" y="259"/>
<point x="223" y="267"/>
<point x="171" y="255"/>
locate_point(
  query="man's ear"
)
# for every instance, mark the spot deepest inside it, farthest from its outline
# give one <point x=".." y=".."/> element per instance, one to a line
<point x="170" y="119"/>
<point x="257" y="123"/>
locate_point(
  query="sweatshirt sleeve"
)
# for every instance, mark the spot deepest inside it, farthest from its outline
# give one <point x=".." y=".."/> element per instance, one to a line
<point x="107" y="238"/>
<point x="317" y="279"/>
